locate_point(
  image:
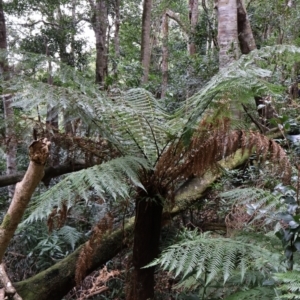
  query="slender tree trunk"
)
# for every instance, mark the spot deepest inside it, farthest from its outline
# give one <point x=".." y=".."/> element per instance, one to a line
<point x="52" y="121"/>
<point x="116" y="37"/>
<point x="193" y="18"/>
<point x="145" y="44"/>
<point x="99" y="24"/>
<point x="38" y="153"/>
<point x="165" y="55"/>
<point x="10" y="137"/>
<point x="146" y="245"/>
<point x="227" y="32"/>
<point x="246" y="39"/>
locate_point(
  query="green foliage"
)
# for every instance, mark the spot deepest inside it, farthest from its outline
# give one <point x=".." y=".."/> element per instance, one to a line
<point x="112" y="179"/>
<point x="289" y="284"/>
<point x="201" y="259"/>
<point x="257" y="293"/>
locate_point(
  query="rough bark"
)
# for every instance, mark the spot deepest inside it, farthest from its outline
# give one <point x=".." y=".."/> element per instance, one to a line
<point x="145" y="44"/>
<point x="38" y="153"/>
<point x="10" y="137"/>
<point x="145" y="247"/>
<point x="117" y="27"/>
<point x="99" y="24"/>
<point x="227" y="32"/>
<point x="165" y="54"/>
<point x="246" y="38"/>
<point x="193" y="18"/>
<point x="56" y="281"/>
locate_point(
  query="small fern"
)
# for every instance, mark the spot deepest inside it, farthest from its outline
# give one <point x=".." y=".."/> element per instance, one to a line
<point x="69" y="235"/>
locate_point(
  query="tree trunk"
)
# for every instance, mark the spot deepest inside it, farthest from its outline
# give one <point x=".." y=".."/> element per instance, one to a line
<point x="99" y="24"/>
<point x="145" y="44"/>
<point x="193" y="18"/>
<point x="165" y="54"/>
<point x="10" y="137"/>
<point x="146" y="245"/>
<point x="227" y="32"/>
<point x="116" y="38"/>
<point x="246" y="39"/>
<point x="38" y="152"/>
<point x="52" y="122"/>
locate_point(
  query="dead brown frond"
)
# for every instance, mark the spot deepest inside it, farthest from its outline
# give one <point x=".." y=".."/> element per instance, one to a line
<point x="94" y="284"/>
<point x="211" y="143"/>
<point x="57" y="218"/>
<point x="88" y="250"/>
<point x="237" y="219"/>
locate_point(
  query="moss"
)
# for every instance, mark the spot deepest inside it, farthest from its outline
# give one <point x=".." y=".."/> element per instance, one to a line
<point x="6" y="222"/>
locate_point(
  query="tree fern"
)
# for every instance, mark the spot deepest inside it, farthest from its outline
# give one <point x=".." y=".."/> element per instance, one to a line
<point x="112" y="179"/>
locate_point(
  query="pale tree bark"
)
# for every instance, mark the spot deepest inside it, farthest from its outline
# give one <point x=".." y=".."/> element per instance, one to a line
<point x="246" y="38"/>
<point x="52" y="120"/>
<point x="99" y="23"/>
<point x="227" y="32"/>
<point x="38" y="153"/>
<point x="176" y="17"/>
<point x="212" y="39"/>
<point x="165" y="54"/>
<point x="10" y="136"/>
<point x="116" y="36"/>
<point x="145" y="43"/>
<point x="193" y="18"/>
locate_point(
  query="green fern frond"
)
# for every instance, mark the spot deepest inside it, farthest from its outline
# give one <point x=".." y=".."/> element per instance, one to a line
<point x="69" y="235"/>
<point x="289" y="284"/>
<point x="260" y="202"/>
<point x="257" y="293"/>
<point x="211" y="256"/>
<point x="112" y="179"/>
<point x="133" y="121"/>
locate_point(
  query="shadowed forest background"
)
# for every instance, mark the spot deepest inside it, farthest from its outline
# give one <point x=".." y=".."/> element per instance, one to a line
<point x="149" y="149"/>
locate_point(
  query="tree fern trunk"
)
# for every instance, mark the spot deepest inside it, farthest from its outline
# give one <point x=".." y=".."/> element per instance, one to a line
<point x="145" y="249"/>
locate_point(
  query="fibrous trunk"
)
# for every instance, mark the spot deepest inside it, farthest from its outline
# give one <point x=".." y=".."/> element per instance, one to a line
<point x="145" y="248"/>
